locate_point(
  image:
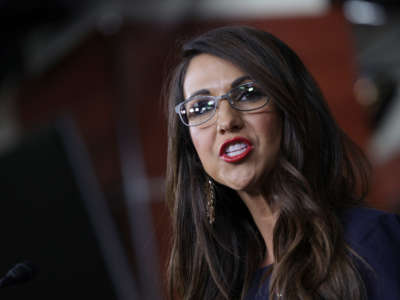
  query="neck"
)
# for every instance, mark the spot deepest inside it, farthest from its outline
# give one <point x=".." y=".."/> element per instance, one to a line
<point x="264" y="215"/>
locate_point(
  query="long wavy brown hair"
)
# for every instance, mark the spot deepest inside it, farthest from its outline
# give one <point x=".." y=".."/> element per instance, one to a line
<point x="319" y="173"/>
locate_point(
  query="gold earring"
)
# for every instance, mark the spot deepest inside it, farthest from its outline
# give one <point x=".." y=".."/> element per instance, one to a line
<point x="210" y="202"/>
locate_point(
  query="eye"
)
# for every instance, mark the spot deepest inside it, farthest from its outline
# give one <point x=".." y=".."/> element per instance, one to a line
<point x="248" y="93"/>
<point x="199" y="106"/>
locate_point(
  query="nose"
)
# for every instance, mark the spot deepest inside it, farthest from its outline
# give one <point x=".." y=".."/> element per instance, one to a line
<point x="229" y="119"/>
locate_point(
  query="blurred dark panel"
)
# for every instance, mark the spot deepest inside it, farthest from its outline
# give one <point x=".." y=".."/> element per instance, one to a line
<point x="44" y="218"/>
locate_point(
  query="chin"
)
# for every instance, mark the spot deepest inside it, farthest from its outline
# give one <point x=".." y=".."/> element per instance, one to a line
<point x="238" y="180"/>
<point x="238" y="186"/>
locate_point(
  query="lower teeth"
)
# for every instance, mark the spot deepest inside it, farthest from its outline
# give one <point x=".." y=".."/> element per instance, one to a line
<point x="234" y="153"/>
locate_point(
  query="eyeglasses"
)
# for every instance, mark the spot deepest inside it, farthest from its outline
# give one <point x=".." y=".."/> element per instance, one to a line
<point x="199" y="109"/>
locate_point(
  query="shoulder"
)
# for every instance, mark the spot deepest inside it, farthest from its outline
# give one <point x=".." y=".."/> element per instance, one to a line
<point x="375" y="236"/>
<point x="372" y="232"/>
<point x="362" y="224"/>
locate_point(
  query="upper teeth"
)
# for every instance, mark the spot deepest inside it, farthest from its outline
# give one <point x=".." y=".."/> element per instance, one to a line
<point x="236" y="147"/>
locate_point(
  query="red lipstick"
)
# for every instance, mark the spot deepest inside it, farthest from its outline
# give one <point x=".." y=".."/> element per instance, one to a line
<point x="235" y="149"/>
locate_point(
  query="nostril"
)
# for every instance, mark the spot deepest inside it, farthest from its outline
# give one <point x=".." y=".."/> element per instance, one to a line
<point x="229" y="119"/>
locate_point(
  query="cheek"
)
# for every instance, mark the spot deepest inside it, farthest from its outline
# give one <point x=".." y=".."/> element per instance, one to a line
<point x="203" y="143"/>
<point x="268" y="126"/>
<point x="269" y="132"/>
<point x="274" y="130"/>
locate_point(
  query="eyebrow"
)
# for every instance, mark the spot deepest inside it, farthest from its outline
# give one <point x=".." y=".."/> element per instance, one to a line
<point x="200" y="92"/>
<point x="239" y="80"/>
<point x="234" y="84"/>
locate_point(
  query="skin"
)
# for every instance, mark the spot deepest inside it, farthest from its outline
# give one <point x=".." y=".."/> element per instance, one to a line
<point x="261" y="127"/>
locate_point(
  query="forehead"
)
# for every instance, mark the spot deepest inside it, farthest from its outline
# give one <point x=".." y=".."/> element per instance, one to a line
<point x="206" y="71"/>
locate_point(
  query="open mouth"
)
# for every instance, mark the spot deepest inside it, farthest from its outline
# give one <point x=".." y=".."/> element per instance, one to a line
<point x="235" y="149"/>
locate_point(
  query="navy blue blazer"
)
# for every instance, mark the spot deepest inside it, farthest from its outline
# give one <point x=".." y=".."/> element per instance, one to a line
<point x="375" y="236"/>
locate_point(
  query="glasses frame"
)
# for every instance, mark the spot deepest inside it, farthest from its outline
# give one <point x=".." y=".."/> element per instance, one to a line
<point x="217" y="99"/>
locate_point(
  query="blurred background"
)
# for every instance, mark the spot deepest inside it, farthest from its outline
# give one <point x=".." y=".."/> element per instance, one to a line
<point x="83" y="133"/>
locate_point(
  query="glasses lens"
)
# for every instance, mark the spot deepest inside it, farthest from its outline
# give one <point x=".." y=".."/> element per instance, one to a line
<point x="248" y="97"/>
<point x="198" y="110"/>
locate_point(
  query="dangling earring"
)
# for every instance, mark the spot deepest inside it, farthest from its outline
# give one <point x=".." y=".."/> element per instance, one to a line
<point x="211" y="202"/>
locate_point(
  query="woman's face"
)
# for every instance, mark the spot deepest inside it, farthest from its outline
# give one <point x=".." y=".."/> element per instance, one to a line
<point x="237" y="149"/>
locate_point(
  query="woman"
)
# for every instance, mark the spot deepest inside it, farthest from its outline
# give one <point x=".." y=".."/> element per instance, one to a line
<point x="262" y="184"/>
